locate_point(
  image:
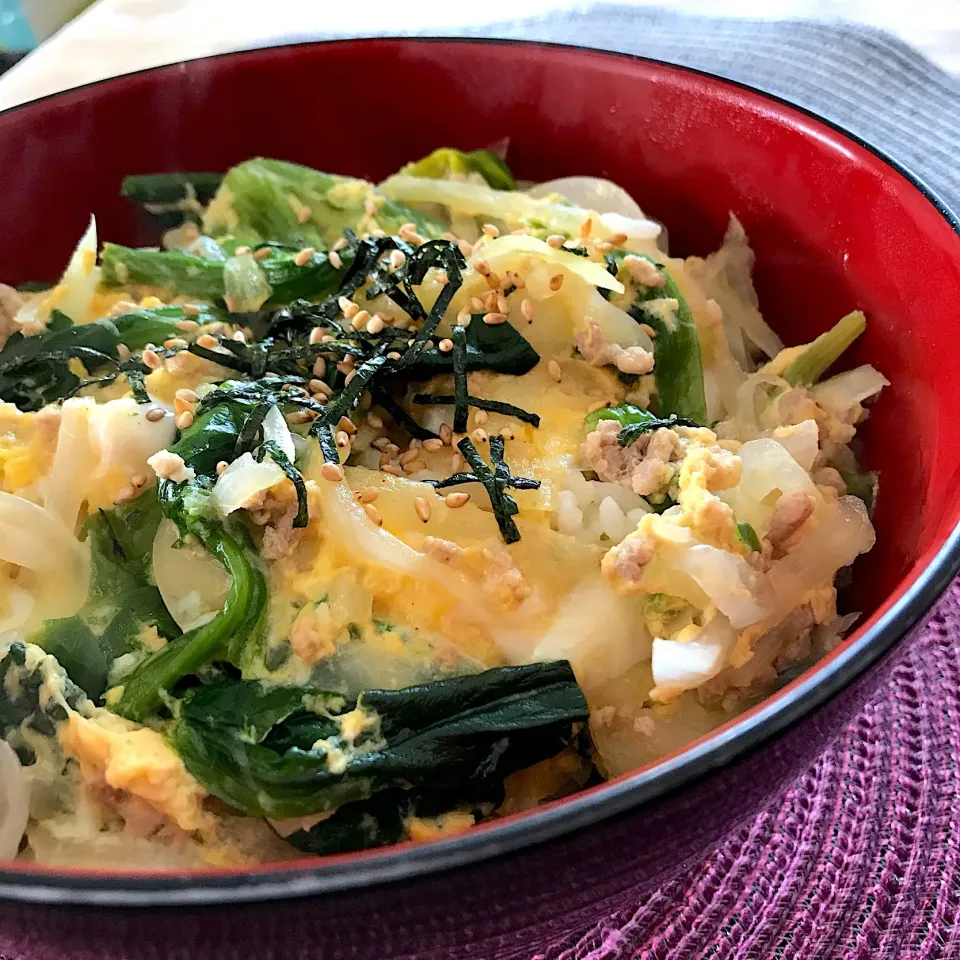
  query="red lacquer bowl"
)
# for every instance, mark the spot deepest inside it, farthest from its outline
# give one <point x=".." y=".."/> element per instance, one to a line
<point x="835" y="226"/>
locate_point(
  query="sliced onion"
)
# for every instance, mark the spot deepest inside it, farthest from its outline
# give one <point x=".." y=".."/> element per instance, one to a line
<point x="510" y="246"/>
<point x="245" y="283"/>
<point x="32" y="537"/>
<point x="275" y="429"/>
<point x="843" y="391"/>
<point x="591" y="193"/>
<point x="191" y="582"/>
<point x="802" y="442"/>
<point x="724" y="577"/>
<point x="513" y="206"/>
<point x="244" y="480"/>
<point x="14" y="802"/>
<point x="840" y="533"/>
<point x="74" y="460"/>
<point x="685" y="665"/>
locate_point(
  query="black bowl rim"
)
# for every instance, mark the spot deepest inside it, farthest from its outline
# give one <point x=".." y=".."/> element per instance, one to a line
<point x="617" y="798"/>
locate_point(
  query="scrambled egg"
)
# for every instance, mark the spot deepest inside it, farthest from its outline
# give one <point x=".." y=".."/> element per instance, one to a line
<point x="140" y="762"/>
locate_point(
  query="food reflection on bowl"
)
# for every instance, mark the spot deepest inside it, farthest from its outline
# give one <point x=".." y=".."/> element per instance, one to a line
<point x="359" y="511"/>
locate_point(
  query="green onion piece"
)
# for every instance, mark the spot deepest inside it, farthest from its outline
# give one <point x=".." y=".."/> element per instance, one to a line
<point x="820" y="355"/>
<point x="748" y="536"/>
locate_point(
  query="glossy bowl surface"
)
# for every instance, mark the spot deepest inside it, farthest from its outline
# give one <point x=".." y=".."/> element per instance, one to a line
<point x="835" y="225"/>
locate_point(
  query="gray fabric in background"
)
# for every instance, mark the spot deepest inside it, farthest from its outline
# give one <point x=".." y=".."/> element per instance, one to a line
<point x="867" y="81"/>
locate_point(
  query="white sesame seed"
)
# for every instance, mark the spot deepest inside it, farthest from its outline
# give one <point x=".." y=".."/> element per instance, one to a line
<point x="414" y="466"/>
<point x="304" y="256"/>
<point x="346" y="424"/>
<point x="316" y="335"/>
<point x="341" y="439"/>
<point x="207" y="341"/>
<point x="303" y="213"/>
<point x="445" y="345"/>
<point x="397" y="259"/>
<point x="553" y="368"/>
<point x="648" y="330"/>
<point x="391" y="468"/>
<point x="375" y="324"/>
<point x="373" y="513"/>
<point x="375" y="421"/>
<point x="350" y="375"/>
<point x="422" y="508"/>
<point x="190" y="310"/>
<point x="491" y="231"/>
<point x="138" y="480"/>
<point x="555" y="241"/>
<point x="152" y="359"/>
<point x="456" y="462"/>
<point x="502" y="305"/>
<point x="493" y="319"/>
<point x="507" y="433"/>
<point x="341" y="243"/>
<point x="394" y="355"/>
<point x="124" y="494"/>
<point x="348" y="307"/>
<point x="332" y="472"/>
<point x="359" y="320"/>
<point x="481" y="417"/>
<point x="185" y="419"/>
<point x="261" y="254"/>
<point x="493" y="280"/>
<point x="408" y="456"/>
<point x="466" y="248"/>
<point x="174" y="342"/>
<point x="479" y="435"/>
<point x="123" y="352"/>
<point x="432" y="444"/>
<point x="441" y="277"/>
<point x="456" y="499"/>
<point x="618" y="239"/>
<point x="221" y="466"/>
<point x="446" y="433"/>
<point x="526" y="308"/>
<point x="482" y="267"/>
<point x="335" y="260"/>
<point x="369" y="207"/>
<point x="241" y="251"/>
<point x="368" y="494"/>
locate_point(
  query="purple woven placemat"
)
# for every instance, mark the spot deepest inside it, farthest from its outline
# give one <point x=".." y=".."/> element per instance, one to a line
<point x="860" y="858"/>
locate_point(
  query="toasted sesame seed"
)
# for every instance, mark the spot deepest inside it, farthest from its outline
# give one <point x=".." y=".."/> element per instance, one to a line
<point x="392" y="469"/>
<point x="408" y="456"/>
<point x="507" y="433"/>
<point x="479" y="435"/>
<point x="341" y="438"/>
<point x="152" y="359"/>
<point x="556" y="281"/>
<point x="262" y="253"/>
<point x="491" y="231"/>
<point x="375" y="324"/>
<point x="375" y="421"/>
<point x="502" y="305"/>
<point x="368" y="494"/>
<point x="477" y="305"/>
<point x="124" y="494"/>
<point x="303" y="213"/>
<point x="380" y="443"/>
<point x="185" y="393"/>
<point x="174" y="342"/>
<point x="585" y="228"/>
<point x="359" y="320"/>
<point x="320" y="386"/>
<point x="138" y="479"/>
<point x="301" y="416"/>
<point x="181" y="406"/>
<point x="207" y="341"/>
<point x="350" y="374"/>
<point x="526" y="308"/>
<point x="456" y="499"/>
<point x="456" y="462"/>
<point x="185" y="419"/>
<point x="316" y="335"/>
<point x="123" y="352"/>
<point x="482" y="267"/>
<point x="393" y="355"/>
<point x="191" y="310"/>
<point x="414" y="466"/>
<point x="241" y="251"/>
<point x="441" y="277"/>
<point x="345" y="423"/>
<point x="553" y="368"/>
<point x="432" y="444"/>
<point x="481" y="417"/>
<point x="335" y="260"/>
<point x="391" y="449"/>
<point x="397" y="259"/>
<point x="555" y="241"/>
<point x="348" y="307"/>
<point x="618" y="239"/>
<point x="155" y="414"/>
<point x="422" y="508"/>
<point x="445" y="345"/>
<point x="493" y="280"/>
<point x="304" y="256"/>
<point x="373" y="513"/>
<point x="327" y="338"/>
<point x="494" y="318"/>
<point x="466" y="248"/>
<point x="341" y="243"/>
<point x="463" y="318"/>
<point x="332" y="472"/>
<point x="446" y="433"/>
<point x="239" y="336"/>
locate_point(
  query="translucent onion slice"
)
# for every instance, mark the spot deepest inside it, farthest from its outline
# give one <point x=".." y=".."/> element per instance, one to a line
<point x="275" y="429"/>
<point x="591" y="193"/>
<point x="843" y="391"/>
<point x="244" y="480"/>
<point x="513" y="206"/>
<point x="685" y="665"/>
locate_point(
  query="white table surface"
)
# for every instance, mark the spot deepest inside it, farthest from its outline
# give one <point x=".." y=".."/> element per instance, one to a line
<point x="119" y="36"/>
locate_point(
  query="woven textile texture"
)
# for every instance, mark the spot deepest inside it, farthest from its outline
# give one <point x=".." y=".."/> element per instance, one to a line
<point x="859" y="858"/>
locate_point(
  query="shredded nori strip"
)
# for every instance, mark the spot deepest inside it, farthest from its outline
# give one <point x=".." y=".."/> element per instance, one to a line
<point x="340" y="405"/>
<point x="328" y="446"/>
<point x="461" y="410"/>
<point x="252" y="425"/>
<point x="491" y="406"/>
<point x="293" y="475"/>
<point x="633" y="431"/>
<point x="400" y="416"/>
<point x="495" y="482"/>
<point x="229" y="360"/>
